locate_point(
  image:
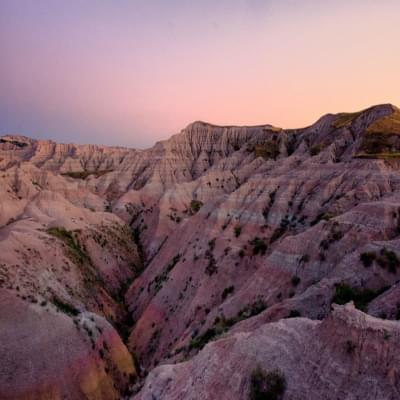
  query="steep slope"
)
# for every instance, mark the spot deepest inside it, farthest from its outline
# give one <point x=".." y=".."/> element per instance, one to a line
<point x="328" y="359"/>
<point x="218" y="232"/>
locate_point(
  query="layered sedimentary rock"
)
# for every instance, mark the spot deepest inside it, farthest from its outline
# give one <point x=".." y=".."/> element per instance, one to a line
<point x="239" y="236"/>
<point x="329" y="359"/>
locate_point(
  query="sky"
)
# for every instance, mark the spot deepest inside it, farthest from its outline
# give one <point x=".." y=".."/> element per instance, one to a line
<point x="129" y="73"/>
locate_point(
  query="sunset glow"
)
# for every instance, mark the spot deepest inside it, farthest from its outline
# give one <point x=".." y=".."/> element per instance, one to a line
<point x="133" y="72"/>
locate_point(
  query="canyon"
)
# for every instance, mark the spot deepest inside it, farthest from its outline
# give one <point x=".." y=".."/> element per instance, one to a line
<point x="220" y="257"/>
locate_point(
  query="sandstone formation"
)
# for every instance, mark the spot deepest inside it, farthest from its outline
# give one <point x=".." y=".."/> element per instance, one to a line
<point x="173" y="272"/>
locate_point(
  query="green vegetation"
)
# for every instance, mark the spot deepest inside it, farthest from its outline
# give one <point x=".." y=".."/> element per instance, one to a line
<point x="195" y="206"/>
<point x="222" y="324"/>
<point x="85" y="174"/>
<point x="294" y="314"/>
<point x="237" y="230"/>
<point x="316" y="149"/>
<point x="251" y="310"/>
<point x="361" y="297"/>
<point x="385" y="259"/>
<point x="136" y="232"/>
<point x="211" y="267"/>
<point x="76" y="253"/>
<point x="157" y="283"/>
<point x="368" y="258"/>
<point x="267" y="150"/>
<point x="65" y="307"/>
<point x="350" y="347"/>
<point x="335" y="234"/>
<point x="259" y="246"/>
<point x="236" y="147"/>
<point x="227" y="291"/>
<point x="267" y="385"/>
<point x="324" y="216"/>
<point x="381" y="138"/>
<point x="345" y="119"/>
<point x="386" y="125"/>
<point x="388" y="259"/>
<point x="14" y="142"/>
<point x="295" y="280"/>
<point x="305" y="258"/>
<point x="280" y="231"/>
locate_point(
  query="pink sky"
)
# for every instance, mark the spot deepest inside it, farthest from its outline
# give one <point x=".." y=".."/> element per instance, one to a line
<point x="133" y="72"/>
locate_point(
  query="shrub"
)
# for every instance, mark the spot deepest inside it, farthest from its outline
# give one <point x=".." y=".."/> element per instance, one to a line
<point x="295" y="280"/>
<point x="294" y="314"/>
<point x="200" y="341"/>
<point x="252" y="309"/>
<point x="65" y="307"/>
<point x="237" y="230"/>
<point x="305" y="258"/>
<point x="211" y="267"/>
<point x="361" y="297"/>
<point x="259" y="246"/>
<point x="388" y="259"/>
<point x="85" y="174"/>
<point x="280" y="231"/>
<point x="316" y="149"/>
<point x="157" y="283"/>
<point x="227" y="291"/>
<point x="267" y="150"/>
<point x="325" y="216"/>
<point x="334" y="235"/>
<point x="222" y="324"/>
<point x="350" y="346"/>
<point x="267" y="385"/>
<point x="195" y="206"/>
<point x="367" y="258"/>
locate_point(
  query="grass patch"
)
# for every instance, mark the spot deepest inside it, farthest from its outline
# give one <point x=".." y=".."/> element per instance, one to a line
<point x="85" y="174"/>
<point x="281" y="230"/>
<point x="76" y="253"/>
<point x="386" y="125"/>
<point x="267" y="150"/>
<point x="324" y="216"/>
<point x="381" y="139"/>
<point x="345" y="119"/>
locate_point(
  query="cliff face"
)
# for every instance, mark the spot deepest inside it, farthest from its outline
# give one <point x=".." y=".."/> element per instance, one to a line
<point x="219" y="234"/>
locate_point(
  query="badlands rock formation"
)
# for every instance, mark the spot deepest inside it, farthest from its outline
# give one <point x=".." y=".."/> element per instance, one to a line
<point x="178" y="271"/>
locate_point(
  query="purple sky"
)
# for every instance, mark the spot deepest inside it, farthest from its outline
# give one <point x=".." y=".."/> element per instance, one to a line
<point x="133" y="72"/>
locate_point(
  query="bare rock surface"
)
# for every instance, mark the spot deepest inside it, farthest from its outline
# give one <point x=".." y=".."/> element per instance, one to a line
<point x="329" y="359"/>
<point x="193" y="261"/>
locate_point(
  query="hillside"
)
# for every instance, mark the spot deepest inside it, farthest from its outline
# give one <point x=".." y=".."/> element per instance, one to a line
<point x="174" y="272"/>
